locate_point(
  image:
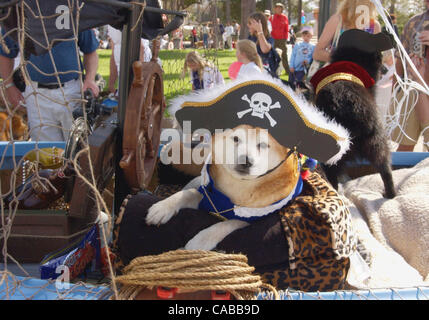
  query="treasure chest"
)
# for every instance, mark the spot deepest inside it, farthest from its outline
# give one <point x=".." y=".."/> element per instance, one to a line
<point x="43" y="224"/>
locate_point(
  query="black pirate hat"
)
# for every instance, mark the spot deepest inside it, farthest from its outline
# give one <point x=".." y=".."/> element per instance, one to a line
<point x="265" y="103"/>
<point x="365" y="41"/>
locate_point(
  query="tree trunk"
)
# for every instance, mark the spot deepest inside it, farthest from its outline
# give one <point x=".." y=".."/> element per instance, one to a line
<point x="214" y="23"/>
<point x="247" y="8"/>
<point x="228" y="10"/>
<point x="326" y="9"/>
<point x="392" y="6"/>
<point x="289" y="10"/>
<point x="269" y="5"/>
<point x="299" y="9"/>
<point x="180" y="4"/>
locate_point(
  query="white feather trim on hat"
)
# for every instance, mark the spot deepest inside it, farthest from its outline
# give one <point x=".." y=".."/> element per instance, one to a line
<point x="312" y="114"/>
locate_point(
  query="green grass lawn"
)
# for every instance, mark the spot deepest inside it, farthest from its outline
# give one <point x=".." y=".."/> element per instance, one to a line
<point x="173" y="62"/>
<point x="104" y="64"/>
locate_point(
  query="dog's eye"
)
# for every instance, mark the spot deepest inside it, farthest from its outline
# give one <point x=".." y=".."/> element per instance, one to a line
<point x="263" y="145"/>
<point x="236" y="139"/>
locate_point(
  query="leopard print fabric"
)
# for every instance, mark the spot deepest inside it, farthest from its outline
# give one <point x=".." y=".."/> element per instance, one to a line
<point x="117" y="262"/>
<point x="318" y="229"/>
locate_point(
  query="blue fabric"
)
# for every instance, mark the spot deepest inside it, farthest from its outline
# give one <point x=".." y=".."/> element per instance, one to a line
<point x="64" y="54"/>
<point x="206" y="40"/>
<point x="301" y="51"/>
<point x="196" y="81"/>
<point x="269" y="58"/>
<point x="296" y="76"/>
<point x="223" y="203"/>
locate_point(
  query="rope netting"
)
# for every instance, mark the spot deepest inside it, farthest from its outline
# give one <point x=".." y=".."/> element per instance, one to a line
<point x="30" y="171"/>
<point x="25" y="170"/>
<point x="407" y="88"/>
<point x="49" y="147"/>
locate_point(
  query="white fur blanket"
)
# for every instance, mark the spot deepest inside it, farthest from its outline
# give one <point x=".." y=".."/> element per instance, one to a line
<point x="395" y="232"/>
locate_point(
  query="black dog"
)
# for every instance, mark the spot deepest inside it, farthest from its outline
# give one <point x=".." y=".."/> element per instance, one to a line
<point x="350" y="101"/>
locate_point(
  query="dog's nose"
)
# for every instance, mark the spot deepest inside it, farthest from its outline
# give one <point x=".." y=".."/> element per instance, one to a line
<point x="245" y="162"/>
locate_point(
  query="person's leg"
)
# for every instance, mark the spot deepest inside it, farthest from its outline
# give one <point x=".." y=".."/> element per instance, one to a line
<point x="299" y="75"/>
<point x="281" y="44"/>
<point x="206" y="41"/>
<point x="230" y="42"/>
<point x="72" y="101"/>
<point x="292" y="78"/>
<point x="42" y="121"/>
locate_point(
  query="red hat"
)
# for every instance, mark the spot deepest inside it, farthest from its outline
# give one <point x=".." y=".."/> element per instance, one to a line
<point x="341" y="70"/>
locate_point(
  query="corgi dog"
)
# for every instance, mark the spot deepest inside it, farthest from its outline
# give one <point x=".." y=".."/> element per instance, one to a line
<point x="248" y="175"/>
<point x="14" y="125"/>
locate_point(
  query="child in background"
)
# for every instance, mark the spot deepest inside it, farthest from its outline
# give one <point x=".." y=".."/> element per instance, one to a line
<point x="302" y="56"/>
<point x="247" y="54"/>
<point x="204" y="75"/>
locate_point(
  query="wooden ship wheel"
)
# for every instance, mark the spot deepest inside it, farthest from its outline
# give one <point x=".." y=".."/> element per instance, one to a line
<point x="142" y="126"/>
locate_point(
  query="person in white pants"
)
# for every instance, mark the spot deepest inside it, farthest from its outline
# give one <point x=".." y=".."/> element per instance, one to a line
<point x="55" y="87"/>
<point x="50" y="111"/>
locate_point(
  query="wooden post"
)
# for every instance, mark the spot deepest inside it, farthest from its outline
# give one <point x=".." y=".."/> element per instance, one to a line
<point x="130" y="51"/>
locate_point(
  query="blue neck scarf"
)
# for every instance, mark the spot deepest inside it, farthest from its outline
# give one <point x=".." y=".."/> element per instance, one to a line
<point x="217" y="203"/>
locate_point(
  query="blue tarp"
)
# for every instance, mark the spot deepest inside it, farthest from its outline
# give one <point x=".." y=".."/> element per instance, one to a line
<point x="21" y="288"/>
<point x="12" y="152"/>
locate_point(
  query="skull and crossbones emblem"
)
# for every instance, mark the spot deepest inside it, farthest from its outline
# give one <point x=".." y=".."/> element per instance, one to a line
<point x="260" y="106"/>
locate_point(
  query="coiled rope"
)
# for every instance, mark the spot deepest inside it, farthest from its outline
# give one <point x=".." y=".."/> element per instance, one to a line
<point x="190" y="271"/>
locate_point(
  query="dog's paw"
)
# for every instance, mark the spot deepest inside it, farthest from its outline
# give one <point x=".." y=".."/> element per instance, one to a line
<point x="209" y="238"/>
<point x="161" y="212"/>
<point x="204" y="240"/>
<point x="389" y="194"/>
